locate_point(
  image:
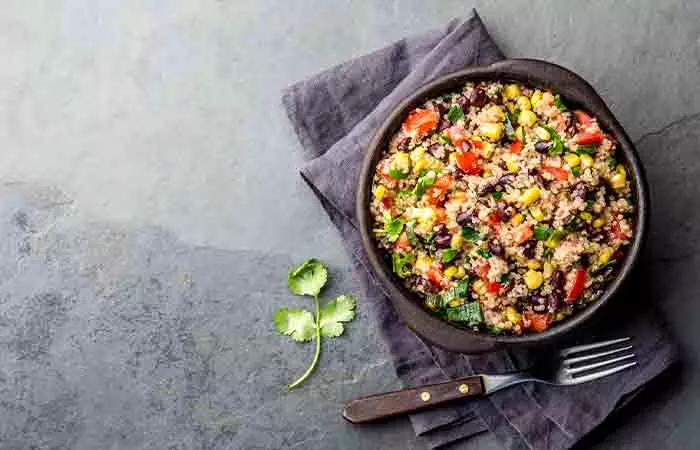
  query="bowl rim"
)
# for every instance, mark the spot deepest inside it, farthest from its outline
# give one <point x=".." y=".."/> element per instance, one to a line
<point x="537" y="73"/>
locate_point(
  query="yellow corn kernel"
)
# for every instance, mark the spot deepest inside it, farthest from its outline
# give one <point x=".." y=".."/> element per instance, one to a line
<point x="572" y="159"/>
<point x="537" y="214"/>
<point x="586" y="216"/>
<point x="461" y="273"/>
<point x="487" y="173"/>
<point x="495" y="114"/>
<point x="511" y="165"/>
<point x="533" y="279"/>
<point x="605" y="255"/>
<point x="530" y="196"/>
<point x="479" y="287"/>
<point x="547" y="269"/>
<point x="423" y="263"/>
<point x="511" y="107"/>
<point x="521" y="260"/>
<point x="455" y="303"/>
<point x="457" y="241"/>
<point x="523" y="103"/>
<point x="554" y="240"/>
<point x="379" y="192"/>
<point x="618" y="181"/>
<point x="492" y="131"/>
<point x="620" y="169"/>
<point x="542" y="134"/>
<point x="487" y="150"/>
<point x="417" y="153"/>
<point x="421" y="164"/>
<point x="586" y="161"/>
<point x="599" y="222"/>
<point x="450" y="272"/>
<point x="533" y="264"/>
<point x="511" y="91"/>
<point x="527" y="118"/>
<point x="512" y="315"/>
<point x="535" y="98"/>
<point x="453" y="158"/>
<point x="517" y="219"/>
<point x="520" y="134"/>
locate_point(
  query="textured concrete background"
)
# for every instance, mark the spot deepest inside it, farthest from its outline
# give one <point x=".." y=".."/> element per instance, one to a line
<point x="150" y="207"/>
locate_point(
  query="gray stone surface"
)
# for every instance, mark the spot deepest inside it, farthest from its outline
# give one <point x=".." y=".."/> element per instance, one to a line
<point x="150" y="207"/>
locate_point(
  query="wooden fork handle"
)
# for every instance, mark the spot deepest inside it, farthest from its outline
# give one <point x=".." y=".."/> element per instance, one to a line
<point x="380" y="406"/>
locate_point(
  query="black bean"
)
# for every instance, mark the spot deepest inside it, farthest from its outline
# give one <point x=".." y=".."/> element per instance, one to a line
<point x="477" y="97"/>
<point x="496" y="99"/>
<point x="442" y="241"/>
<point x="580" y="191"/>
<point x="557" y="282"/>
<point x="487" y="188"/>
<point x="404" y="144"/>
<point x="554" y="302"/>
<point x="569" y="123"/>
<point x="465" y="218"/>
<point x="444" y="124"/>
<point x="542" y="147"/>
<point x="529" y="249"/>
<point x="441" y="107"/>
<point x="496" y="248"/>
<point x="463" y="103"/>
<point x="437" y="151"/>
<point x="506" y="180"/>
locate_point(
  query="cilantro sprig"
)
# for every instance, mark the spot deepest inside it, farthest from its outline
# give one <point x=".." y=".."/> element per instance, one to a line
<point x="309" y="279"/>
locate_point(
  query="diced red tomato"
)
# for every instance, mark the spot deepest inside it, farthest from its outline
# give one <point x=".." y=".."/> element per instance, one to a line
<point x="421" y="121"/>
<point x="557" y="172"/>
<point x="493" y="219"/>
<point x="516" y="147"/>
<point x="588" y="138"/>
<point x="491" y="286"/>
<point x="617" y="232"/>
<point x="387" y="202"/>
<point x="525" y="234"/>
<point x="484" y="270"/>
<point x="579" y="282"/>
<point x="444" y="182"/>
<point x="469" y="163"/>
<point x="477" y="144"/>
<point x="403" y="243"/>
<point x="537" y="322"/>
<point x="582" y="118"/>
<point x="435" y="276"/>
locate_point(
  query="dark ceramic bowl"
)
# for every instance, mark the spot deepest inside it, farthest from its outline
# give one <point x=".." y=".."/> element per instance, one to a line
<point x="576" y="92"/>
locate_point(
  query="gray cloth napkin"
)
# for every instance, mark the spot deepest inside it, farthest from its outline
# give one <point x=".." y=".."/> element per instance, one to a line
<point x="335" y="115"/>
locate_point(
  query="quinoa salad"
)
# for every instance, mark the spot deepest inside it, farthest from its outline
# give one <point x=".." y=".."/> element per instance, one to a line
<point x="502" y="207"/>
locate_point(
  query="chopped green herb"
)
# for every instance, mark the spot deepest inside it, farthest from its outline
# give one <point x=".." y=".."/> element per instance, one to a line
<point x="548" y="253"/>
<point x="559" y="103"/>
<point x="541" y="233"/>
<point x="444" y="139"/>
<point x="557" y="148"/>
<point x="424" y="182"/>
<point x="484" y="252"/>
<point x="497" y="195"/>
<point x="334" y="313"/>
<point x="589" y="204"/>
<point x="455" y="114"/>
<point x="402" y="264"/>
<point x="573" y="225"/>
<point x="504" y="278"/>
<point x="449" y="254"/>
<point x="470" y="313"/>
<point x="462" y="288"/>
<point x="612" y="162"/>
<point x="576" y="171"/>
<point x="494" y="329"/>
<point x="586" y="149"/>
<point x="510" y="131"/>
<point x="397" y="174"/>
<point x="470" y="234"/>
<point x="411" y="233"/>
<point x="308" y="279"/>
<point x="392" y="227"/>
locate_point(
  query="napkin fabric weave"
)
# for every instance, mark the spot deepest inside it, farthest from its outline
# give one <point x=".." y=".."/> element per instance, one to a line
<point x="335" y="114"/>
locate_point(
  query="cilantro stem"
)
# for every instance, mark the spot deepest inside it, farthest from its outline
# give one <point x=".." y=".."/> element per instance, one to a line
<point x="311" y="368"/>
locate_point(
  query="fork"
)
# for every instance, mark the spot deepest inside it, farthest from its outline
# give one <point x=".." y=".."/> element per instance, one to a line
<point x="570" y="366"/>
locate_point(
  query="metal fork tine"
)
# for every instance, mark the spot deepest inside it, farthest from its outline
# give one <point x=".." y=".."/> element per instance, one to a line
<point x="578" y="359"/>
<point x="582" y="348"/>
<point x="592" y="366"/>
<point x="602" y="373"/>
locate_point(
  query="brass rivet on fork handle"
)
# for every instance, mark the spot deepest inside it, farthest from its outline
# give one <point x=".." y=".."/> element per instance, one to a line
<point x="425" y="396"/>
<point x="463" y="388"/>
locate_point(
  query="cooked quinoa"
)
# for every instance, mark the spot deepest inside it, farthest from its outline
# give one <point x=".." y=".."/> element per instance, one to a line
<point x="503" y="209"/>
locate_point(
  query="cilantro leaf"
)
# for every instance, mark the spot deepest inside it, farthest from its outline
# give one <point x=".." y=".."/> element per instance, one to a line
<point x="497" y="195"/>
<point x="400" y="261"/>
<point x="541" y="233"/>
<point x="586" y="149"/>
<point x="449" y="254"/>
<point x="397" y="174"/>
<point x="455" y="114"/>
<point x="612" y="162"/>
<point x="308" y="279"/>
<point x="392" y="227"/>
<point x="470" y="313"/>
<point x="508" y="126"/>
<point x="557" y="148"/>
<point x="444" y="139"/>
<point x="424" y="182"/>
<point x="560" y="103"/>
<point x="462" y="288"/>
<point x="297" y="323"/>
<point x="334" y="313"/>
<point x="484" y="253"/>
<point x="576" y="171"/>
<point x="470" y="234"/>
